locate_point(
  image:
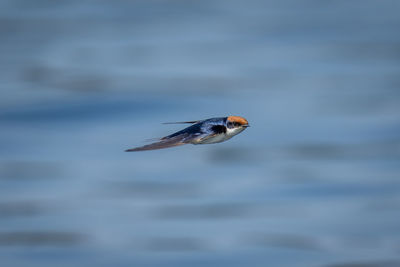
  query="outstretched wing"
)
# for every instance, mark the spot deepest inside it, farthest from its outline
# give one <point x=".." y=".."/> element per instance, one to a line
<point x="167" y="142"/>
<point x="189" y="135"/>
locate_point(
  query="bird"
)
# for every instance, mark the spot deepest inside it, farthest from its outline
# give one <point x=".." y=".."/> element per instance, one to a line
<point x="208" y="131"/>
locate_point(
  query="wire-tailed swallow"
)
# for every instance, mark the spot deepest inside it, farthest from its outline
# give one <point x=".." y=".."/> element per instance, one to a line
<point x="209" y="131"/>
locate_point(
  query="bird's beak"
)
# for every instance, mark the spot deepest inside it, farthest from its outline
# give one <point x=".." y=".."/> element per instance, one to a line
<point x="245" y="125"/>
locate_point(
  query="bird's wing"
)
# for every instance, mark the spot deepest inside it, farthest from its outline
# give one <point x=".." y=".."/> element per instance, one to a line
<point x="165" y="142"/>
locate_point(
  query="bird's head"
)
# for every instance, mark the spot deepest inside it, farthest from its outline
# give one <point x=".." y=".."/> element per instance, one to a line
<point x="236" y="124"/>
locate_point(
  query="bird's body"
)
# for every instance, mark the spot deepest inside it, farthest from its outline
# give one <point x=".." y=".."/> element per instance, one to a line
<point x="209" y="131"/>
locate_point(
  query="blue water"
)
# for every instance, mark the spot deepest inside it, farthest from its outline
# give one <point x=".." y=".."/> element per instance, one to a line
<point x="315" y="180"/>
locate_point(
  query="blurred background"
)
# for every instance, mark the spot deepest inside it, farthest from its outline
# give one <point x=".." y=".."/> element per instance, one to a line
<point x="313" y="182"/>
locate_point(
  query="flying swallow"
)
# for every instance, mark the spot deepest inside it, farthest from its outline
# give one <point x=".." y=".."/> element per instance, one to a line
<point x="209" y="131"/>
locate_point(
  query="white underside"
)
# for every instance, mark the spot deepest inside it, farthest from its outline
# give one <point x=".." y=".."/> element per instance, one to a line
<point x="221" y="137"/>
<point x="216" y="139"/>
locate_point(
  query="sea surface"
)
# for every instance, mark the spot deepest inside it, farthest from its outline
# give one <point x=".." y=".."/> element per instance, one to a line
<point x="314" y="182"/>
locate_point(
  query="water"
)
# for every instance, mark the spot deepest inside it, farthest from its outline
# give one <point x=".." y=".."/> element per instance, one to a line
<point x="313" y="182"/>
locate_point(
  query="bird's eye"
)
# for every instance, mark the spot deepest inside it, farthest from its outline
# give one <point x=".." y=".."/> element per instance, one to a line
<point x="236" y="124"/>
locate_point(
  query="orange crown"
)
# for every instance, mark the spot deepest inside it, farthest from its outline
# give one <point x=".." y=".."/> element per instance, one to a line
<point x="238" y="119"/>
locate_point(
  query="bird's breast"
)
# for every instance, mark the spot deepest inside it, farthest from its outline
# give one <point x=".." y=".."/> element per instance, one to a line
<point x="215" y="139"/>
